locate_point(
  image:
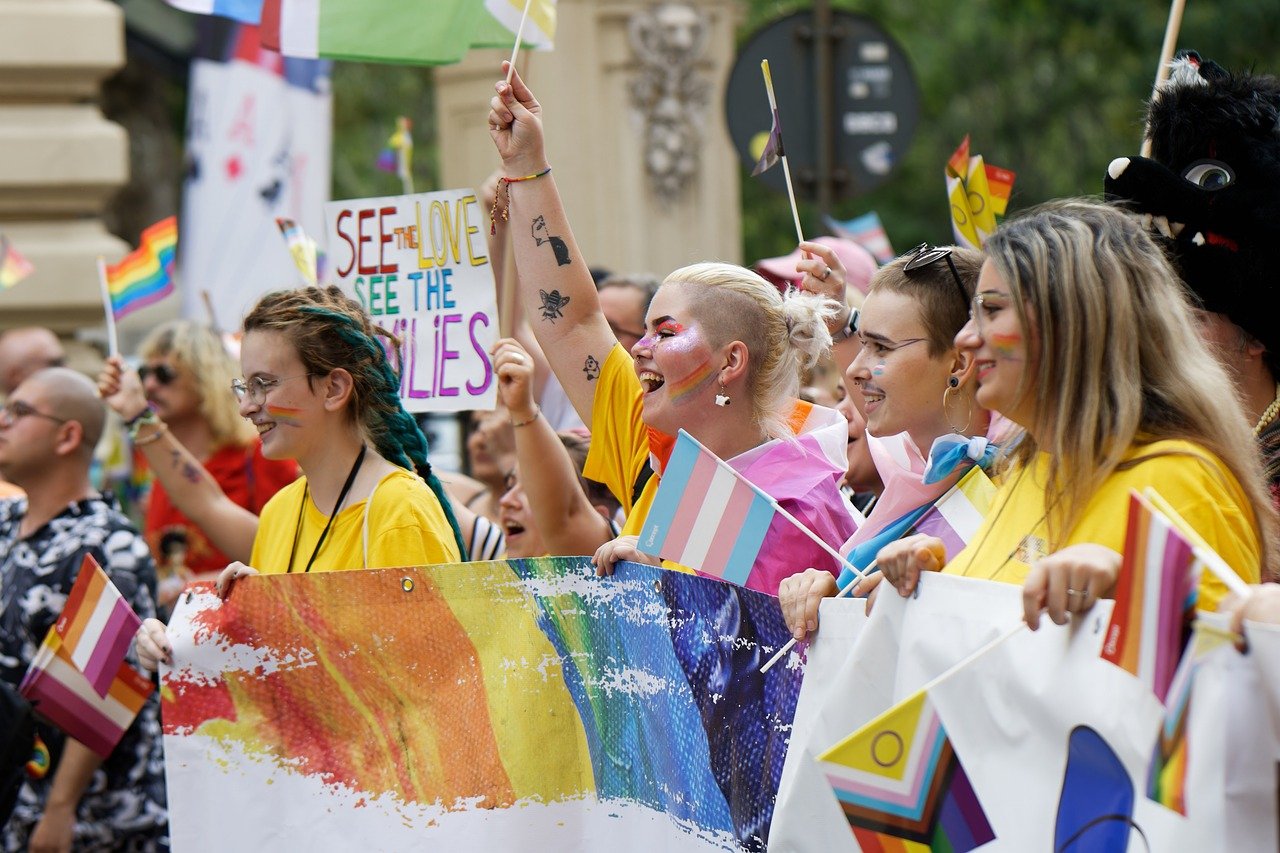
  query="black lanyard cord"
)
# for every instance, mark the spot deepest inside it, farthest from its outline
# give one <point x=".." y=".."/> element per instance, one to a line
<point x="297" y="529"/>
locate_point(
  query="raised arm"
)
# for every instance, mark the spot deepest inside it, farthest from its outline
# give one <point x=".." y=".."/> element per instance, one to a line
<point x="555" y="286"/>
<point x="563" y="515"/>
<point x="229" y="526"/>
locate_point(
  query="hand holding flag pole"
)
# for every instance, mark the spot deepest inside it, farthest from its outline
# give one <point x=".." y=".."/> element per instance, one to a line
<point x="774" y="151"/>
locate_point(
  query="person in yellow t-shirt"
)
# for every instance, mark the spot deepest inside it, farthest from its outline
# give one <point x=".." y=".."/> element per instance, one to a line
<point x="1083" y="337"/>
<point x="319" y="389"/>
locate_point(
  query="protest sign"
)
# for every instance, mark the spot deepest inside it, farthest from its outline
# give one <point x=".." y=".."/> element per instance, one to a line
<point x="420" y="266"/>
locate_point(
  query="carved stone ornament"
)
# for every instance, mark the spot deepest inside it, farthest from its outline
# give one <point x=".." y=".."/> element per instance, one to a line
<point x="670" y="93"/>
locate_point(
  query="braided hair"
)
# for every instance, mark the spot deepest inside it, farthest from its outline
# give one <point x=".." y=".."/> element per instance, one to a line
<point x="330" y="330"/>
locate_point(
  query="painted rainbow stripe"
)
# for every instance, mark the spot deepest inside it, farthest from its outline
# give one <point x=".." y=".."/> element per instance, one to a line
<point x="692" y="383"/>
<point x="1005" y="345"/>
<point x="899" y="776"/>
<point x="1157" y="588"/>
<point x="96" y="626"/>
<point x="146" y="274"/>
<point x="284" y="415"/>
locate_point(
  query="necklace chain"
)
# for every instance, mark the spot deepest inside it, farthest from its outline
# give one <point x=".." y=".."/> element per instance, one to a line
<point x="1269" y="414"/>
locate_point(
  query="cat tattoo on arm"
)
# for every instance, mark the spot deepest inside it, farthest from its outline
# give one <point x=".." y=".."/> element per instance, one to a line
<point x="542" y="235"/>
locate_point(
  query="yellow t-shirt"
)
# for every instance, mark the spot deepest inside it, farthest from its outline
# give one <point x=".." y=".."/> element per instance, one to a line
<point x="619" y="439"/>
<point x="407" y="527"/>
<point x="1199" y="487"/>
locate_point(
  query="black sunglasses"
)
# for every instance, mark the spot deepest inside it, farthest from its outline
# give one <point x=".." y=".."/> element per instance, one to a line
<point x="163" y="373"/>
<point x="925" y="255"/>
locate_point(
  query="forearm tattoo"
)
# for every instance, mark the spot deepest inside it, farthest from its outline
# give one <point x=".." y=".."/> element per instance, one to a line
<point x="542" y="235"/>
<point x="552" y="305"/>
<point x="591" y="367"/>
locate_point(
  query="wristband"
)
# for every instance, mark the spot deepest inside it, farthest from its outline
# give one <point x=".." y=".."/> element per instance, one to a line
<point x="147" y="416"/>
<point x="537" y="410"/>
<point x="850" y="327"/>
<point x="503" y="189"/>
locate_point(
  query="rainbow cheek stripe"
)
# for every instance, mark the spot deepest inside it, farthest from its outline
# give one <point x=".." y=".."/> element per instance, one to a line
<point x="1005" y="346"/>
<point x="284" y="415"/>
<point x="878" y="370"/>
<point x="692" y="383"/>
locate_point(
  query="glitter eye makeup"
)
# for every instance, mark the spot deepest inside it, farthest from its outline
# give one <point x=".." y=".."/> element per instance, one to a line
<point x="669" y="326"/>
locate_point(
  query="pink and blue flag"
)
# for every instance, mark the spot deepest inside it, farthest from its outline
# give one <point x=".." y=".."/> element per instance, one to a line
<point x="706" y="515"/>
<point x="245" y="11"/>
<point x="867" y="231"/>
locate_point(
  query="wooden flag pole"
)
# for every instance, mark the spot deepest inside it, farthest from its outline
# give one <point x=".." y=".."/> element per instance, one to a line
<point x="786" y="168"/>
<point x="208" y="307"/>
<point x="847" y="588"/>
<point x="515" y="51"/>
<point x="1174" y="24"/>
<point x="113" y="341"/>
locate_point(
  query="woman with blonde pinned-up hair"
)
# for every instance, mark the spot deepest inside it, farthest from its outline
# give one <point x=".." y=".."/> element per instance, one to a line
<point x="319" y="389"/>
<point x="720" y="357"/>
<point x="1083" y="336"/>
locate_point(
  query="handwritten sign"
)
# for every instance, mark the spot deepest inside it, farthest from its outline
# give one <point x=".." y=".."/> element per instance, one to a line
<point x="419" y="265"/>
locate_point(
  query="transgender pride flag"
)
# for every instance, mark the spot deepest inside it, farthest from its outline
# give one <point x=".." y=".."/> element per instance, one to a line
<point x="96" y="626"/>
<point x="706" y="515"/>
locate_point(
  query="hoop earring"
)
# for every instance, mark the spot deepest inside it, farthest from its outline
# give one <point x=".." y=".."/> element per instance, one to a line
<point x="946" y="412"/>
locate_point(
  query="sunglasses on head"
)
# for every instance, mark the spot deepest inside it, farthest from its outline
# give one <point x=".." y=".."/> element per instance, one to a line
<point x="925" y="255"/>
<point x="163" y="373"/>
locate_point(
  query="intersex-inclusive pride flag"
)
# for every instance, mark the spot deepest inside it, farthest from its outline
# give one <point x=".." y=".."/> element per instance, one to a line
<point x="898" y="780"/>
<point x="978" y="193"/>
<point x="79" y="678"/>
<point x="245" y="11"/>
<point x="96" y="625"/>
<point x="868" y="232"/>
<point x="1155" y="595"/>
<point x="13" y="267"/>
<point x="439" y="33"/>
<point x="476" y="707"/>
<point x="301" y="248"/>
<point x="958" y="514"/>
<point x="146" y="274"/>
<point x="706" y="515"/>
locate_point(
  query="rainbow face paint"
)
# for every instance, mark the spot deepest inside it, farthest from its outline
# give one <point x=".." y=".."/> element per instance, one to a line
<point x="284" y="415"/>
<point x="1005" y="345"/>
<point x="681" y="390"/>
<point x="878" y="370"/>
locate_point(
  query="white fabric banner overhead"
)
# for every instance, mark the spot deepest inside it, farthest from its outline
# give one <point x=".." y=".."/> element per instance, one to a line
<point x="258" y="147"/>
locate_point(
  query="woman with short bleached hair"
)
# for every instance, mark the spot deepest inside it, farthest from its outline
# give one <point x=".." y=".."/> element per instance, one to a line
<point x="1083" y="336"/>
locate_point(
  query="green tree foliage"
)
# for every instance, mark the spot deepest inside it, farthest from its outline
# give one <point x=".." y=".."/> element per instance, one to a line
<point x="367" y="99"/>
<point x="1052" y="90"/>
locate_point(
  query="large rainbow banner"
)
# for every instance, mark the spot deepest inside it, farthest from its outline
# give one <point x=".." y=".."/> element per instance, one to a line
<point x="507" y="705"/>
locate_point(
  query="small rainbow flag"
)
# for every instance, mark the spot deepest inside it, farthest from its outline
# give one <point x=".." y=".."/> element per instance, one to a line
<point x="302" y="248"/>
<point x="13" y="267"/>
<point x="705" y="515"/>
<point x="900" y="783"/>
<point x="96" y="625"/>
<point x="1155" y="594"/>
<point x="146" y="274"/>
<point x="978" y="194"/>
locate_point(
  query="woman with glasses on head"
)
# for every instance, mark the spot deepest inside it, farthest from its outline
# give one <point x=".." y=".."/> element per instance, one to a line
<point x="720" y="357"/>
<point x="179" y="395"/>
<point x="1082" y="335"/>
<point x="917" y="388"/>
<point x="320" y="390"/>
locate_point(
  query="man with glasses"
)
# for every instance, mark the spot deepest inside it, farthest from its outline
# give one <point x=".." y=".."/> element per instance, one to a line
<point x="48" y="428"/>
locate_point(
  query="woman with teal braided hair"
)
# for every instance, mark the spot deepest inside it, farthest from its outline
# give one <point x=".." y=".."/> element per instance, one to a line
<point x="320" y="390"/>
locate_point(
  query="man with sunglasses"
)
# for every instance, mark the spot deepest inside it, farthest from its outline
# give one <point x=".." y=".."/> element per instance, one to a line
<point x="48" y="428"/>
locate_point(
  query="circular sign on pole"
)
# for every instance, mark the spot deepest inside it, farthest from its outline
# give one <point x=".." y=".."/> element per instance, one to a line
<point x="875" y="103"/>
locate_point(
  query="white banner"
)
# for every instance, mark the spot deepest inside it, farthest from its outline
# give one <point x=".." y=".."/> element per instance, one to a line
<point x="258" y="147"/>
<point x="419" y="264"/>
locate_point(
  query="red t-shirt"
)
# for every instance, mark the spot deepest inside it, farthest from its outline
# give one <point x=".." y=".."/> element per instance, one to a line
<point x="247" y="477"/>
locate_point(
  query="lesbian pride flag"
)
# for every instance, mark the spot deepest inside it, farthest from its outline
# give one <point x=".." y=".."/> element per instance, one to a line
<point x="706" y="515"/>
<point x="146" y="274"/>
<point x="1156" y="591"/>
<point x="96" y="626"/>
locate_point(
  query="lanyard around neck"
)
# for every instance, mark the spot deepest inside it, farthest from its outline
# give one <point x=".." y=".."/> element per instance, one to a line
<point x="342" y="495"/>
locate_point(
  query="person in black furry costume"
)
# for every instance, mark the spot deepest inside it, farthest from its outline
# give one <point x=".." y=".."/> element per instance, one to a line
<point x="1212" y="190"/>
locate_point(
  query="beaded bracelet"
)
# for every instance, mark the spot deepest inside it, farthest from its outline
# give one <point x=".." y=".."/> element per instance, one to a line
<point x="148" y="416"/>
<point x="504" y="190"/>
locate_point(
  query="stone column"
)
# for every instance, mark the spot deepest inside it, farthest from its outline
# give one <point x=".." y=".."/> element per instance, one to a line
<point x="633" y="95"/>
<point x="60" y="160"/>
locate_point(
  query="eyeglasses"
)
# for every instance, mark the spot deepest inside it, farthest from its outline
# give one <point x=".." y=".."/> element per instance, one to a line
<point x="924" y="255"/>
<point x="163" y="373"/>
<point x="256" y="389"/>
<point x="15" y="410"/>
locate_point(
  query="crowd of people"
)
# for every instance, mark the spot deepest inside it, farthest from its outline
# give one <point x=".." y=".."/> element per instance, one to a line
<point x="1066" y="358"/>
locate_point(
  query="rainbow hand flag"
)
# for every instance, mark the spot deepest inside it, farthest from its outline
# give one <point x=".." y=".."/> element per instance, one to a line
<point x="1155" y="595"/>
<point x="706" y="515"/>
<point x="899" y="781"/>
<point x="13" y="267"/>
<point x="979" y="195"/>
<point x="146" y="274"/>
<point x="96" y="626"/>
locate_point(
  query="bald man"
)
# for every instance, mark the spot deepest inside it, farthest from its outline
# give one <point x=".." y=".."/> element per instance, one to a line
<point x="48" y="428"/>
<point x="24" y="351"/>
